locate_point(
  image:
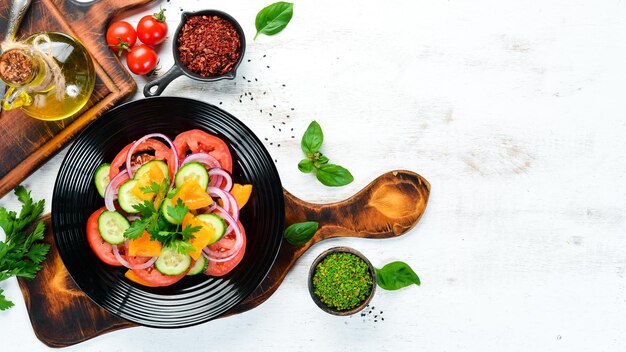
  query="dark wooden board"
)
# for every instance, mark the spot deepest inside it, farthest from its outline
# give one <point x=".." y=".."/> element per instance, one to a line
<point x="389" y="206"/>
<point x="27" y="142"/>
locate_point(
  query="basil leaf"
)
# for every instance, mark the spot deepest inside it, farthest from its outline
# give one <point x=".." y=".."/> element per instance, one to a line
<point x="312" y="139"/>
<point x="323" y="159"/>
<point x="273" y="18"/>
<point x="396" y="275"/>
<point x="334" y="175"/>
<point x="300" y="233"/>
<point x="305" y="165"/>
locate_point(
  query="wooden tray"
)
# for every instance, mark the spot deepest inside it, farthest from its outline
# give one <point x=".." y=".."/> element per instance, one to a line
<point x="391" y="205"/>
<point x="27" y="143"/>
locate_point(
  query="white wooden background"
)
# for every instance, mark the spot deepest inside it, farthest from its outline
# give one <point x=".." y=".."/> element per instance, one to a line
<point x="513" y="110"/>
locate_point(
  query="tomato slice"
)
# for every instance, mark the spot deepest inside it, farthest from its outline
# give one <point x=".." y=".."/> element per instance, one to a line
<point x="99" y="246"/>
<point x="223" y="268"/>
<point x="152" y="276"/>
<point x="161" y="152"/>
<point x="196" y="141"/>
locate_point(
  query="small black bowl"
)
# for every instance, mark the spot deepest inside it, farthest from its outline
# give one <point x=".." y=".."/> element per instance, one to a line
<point x="319" y="259"/>
<point x="179" y="68"/>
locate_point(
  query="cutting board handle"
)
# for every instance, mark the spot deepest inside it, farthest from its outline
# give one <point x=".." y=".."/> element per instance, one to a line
<point x="389" y="206"/>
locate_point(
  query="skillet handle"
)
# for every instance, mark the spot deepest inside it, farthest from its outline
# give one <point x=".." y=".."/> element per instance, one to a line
<point x="161" y="82"/>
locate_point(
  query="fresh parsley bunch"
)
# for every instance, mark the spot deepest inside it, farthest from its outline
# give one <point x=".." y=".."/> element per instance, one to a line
<point x="158" y="228"/>
<point x="21" y="254"/>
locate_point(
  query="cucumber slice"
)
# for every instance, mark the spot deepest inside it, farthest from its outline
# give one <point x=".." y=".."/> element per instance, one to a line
<point x="168" y="203"/>
<point x="146" y="167"/>
<point x="199" y="267"/>
<point x="218" y="224"/>
<point x="171" y="262"/>
<point x="111" y="226"/>
<point x="126" y="198"/>
<point x="192" y="170"/>
<point x="101" y="178"/>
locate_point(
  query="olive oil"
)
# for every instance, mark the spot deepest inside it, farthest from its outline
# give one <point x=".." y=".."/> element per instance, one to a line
<point x="76" y="67"/>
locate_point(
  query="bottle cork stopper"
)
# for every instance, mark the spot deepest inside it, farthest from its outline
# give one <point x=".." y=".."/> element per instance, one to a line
<point x="16" y="66"/>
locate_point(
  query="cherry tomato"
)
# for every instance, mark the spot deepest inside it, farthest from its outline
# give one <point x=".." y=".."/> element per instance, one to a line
<point x="99" y="246"/>
<point x="121" y="36"/>
<point x="152" y="30"/>
<point x="223" y="268"/>
<point x="142" y="59"/>
<point x="196" y="141"/>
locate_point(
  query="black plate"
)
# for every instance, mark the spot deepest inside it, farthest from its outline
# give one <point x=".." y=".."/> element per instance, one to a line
<point x="193" y="300"/>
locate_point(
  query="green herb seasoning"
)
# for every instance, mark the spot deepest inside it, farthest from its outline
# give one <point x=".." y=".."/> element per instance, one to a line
<point x="342" y="281"/>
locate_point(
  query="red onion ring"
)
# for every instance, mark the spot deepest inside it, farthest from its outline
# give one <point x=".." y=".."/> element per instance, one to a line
<point x="232" y="226"/>
<point x="229" y="201"/>
<point x="112" y="188"/>
<point x="204" y="158"/>
<point x="221" y="172"/>
<point x="122" y="261"/>
<point x="141" y="140"/>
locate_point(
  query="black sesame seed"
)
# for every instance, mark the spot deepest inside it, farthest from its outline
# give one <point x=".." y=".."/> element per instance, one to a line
<point x="246" y="94"/>
<point x="240" y="101"/>
<point x="288" y="116"/>
<point x="292" y="109"/>
<point x="293" y="136"/>
<point x="375" y="321"/>
<point x="270" y="114"/>
<point x="274" y="105"/>
<point x="251" y="98"/>
<point x="271" y="143"/>
<point x="382" y="319"/>
<point x="284" y="85"/>
<point x="220" y="103"/>
<point x="268" y="66"/>
<point x="292" y="130"/>
<point x="244" y="77"/>
<point x="264" y="55"/>
<point x="283" y="122"/>
<point x="248" y="59"/>
<point x="265" y="138"/>
<point x="278" y="145"/>
<point x="256" y="80"/>
<point x="264" y="93"/>
<point x="249" y="81"/>
<point x="273" y="126"/>
<point x="261" y="110"/>
<point x="279" y="130"/>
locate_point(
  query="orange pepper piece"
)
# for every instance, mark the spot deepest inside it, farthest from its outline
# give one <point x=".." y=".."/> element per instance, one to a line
<point x="154" y="174"/>
<point x="144" y="247"/>
<point x="192" y="195"/>
<point x="241" y="193"/>
<point x="130" y="275"/>
<point x="201" y="238"/>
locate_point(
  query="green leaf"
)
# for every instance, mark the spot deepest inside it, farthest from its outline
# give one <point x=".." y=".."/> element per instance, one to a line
<point x="396" y="275"/>
<point x="306" y="166"/>
<point x="4" y="303"/>
<point x="323" y="159"/>
<point x="312" y="139"/>
<point x="273" y="18"/>
<point x="334" y="175"/>
<point x="300" y="233"/>
<point x="188" y="232"/>
<point x="137" y="228"/>
<point x="182" y="247"/>
<point x="178" y="211"/>
<point x="37" y="252"/>
<point x="146" y="208"/>
<point x="152" y="188"/>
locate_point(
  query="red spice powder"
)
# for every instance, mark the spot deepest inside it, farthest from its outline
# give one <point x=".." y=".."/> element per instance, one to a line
<point x="209" y="45"/>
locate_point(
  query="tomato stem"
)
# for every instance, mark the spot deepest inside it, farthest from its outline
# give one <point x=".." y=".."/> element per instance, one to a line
<point x="159" y="16"/>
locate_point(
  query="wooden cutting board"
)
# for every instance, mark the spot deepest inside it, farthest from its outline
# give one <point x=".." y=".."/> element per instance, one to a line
<point x="62" y="315"/>
<point x="26" y="142"/>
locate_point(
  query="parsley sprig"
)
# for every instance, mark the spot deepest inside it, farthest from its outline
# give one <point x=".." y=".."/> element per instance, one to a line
<point x="21" y="254"/>
<point x="159" y="229"/>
